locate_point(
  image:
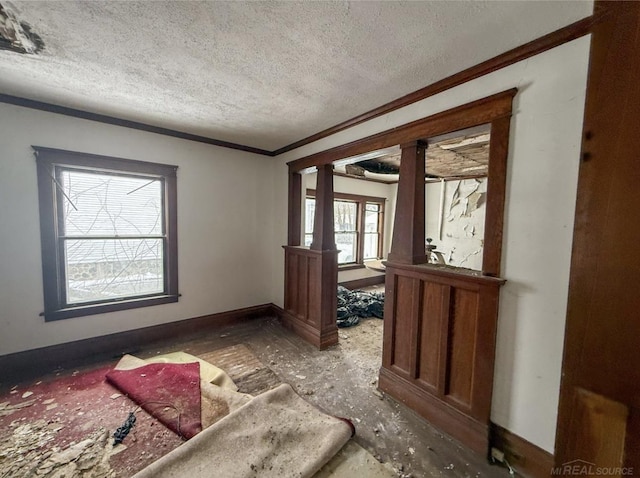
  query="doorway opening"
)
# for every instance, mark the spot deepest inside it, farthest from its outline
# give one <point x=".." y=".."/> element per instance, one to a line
<point x="439" y="319"/>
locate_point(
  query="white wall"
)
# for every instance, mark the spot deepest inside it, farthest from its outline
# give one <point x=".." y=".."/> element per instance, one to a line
<point x="461" y="240"/>
<point x="224" y="211"/>
<point x="542" y="180"/>
<point x="363" y="188"/>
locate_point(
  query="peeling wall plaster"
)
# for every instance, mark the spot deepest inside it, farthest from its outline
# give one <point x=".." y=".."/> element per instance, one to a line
<point x="461" y="240"/>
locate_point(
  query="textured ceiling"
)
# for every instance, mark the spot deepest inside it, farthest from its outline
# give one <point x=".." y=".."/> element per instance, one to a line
<point x="455" y="156"/>
<point x="263" y="74"/>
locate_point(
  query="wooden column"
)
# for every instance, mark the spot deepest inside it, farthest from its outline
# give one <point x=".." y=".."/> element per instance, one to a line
<point x="496" y="191"/>
<point x="324" y="238"/>
<point x="407" y="246"/>
<point x="294" y="230"/>
<point x="311" y="274"/>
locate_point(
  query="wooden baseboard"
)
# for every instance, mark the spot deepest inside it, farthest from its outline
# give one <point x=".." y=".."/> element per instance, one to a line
<point x="304" y="330"/>
<point x="524" y="457"/>
<point x="37" y="362"/>
<point x="463" y="428"/>
<point x="364" y="282"/>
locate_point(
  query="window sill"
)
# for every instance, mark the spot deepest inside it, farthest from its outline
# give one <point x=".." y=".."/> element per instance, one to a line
<point x="348" y="267"/>
<point x="92" y="309"/>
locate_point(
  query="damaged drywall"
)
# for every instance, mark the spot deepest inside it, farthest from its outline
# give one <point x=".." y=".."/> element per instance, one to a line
<point x="455" y="212"/>
<point x="16" y="35"/>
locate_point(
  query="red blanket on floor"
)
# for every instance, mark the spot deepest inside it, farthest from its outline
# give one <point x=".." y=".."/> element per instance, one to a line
<point x="169" y="392"/>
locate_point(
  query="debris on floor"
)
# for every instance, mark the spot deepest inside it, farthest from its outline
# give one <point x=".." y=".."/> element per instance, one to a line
<point x="26" y="452"/>
<point x="7" y="409"/>
<point x="121" y="433"/>
<point x="354" y="305"/>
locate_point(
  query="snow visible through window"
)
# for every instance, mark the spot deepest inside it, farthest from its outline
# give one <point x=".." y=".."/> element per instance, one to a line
<point x="113" y="235"/>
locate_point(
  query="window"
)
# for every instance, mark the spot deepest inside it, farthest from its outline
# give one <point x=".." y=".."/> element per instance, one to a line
<point x="372" y="227"/>
<point x="358" y="224"/>
<point x="345" y="219"/>
<point x="108" y="231"/>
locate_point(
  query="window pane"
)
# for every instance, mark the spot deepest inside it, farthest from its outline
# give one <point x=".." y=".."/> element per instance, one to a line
<point x="99" y="269"/>
<point x="370" y="246"/>
<point x="309" y="211"/>
<point x="345" y="216"/>
<point x="372" y="207"/>
<point x="346" y="243"/>
<point x="308" y="239"/>
<point x="111" y="205"/>
<point x="371" y="221"/>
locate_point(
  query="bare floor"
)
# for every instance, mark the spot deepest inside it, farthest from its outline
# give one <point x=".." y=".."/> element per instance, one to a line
<point x="343" y="382"/>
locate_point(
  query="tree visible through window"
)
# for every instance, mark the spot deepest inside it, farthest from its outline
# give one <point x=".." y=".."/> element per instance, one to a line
<point x="358" y="222"/>
<point x="108" y="233"/>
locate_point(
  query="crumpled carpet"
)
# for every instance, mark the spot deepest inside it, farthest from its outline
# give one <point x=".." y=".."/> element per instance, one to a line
<point x="168" y="391"/>
<point x="184" y="392"/>
<point x="276" y="434"/>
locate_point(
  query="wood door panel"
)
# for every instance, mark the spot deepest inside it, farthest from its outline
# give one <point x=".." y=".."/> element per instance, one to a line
<point x="311" y="292"/>
<point x="403" y="324"/>
<point x="435" y="311"/>
<point x="302" y="276"/>
<point x="461" y="348"/>
<point x="291" y="269"/>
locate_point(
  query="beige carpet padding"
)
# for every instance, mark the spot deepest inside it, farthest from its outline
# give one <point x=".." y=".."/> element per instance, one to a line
<point x="208" y="372"/>
<point x="276" y="434"/>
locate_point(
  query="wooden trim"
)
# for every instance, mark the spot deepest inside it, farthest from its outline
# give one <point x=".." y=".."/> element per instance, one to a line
<point x="294" y="229"/>
<point x="447" y="273"/>
<point x="599" y="407"/>
<point x="321" y="340"/>
<point x="364" y="282"/>
<point x="36" y="362"/>
<point x="48" y="160"/>
<point x="535" y="47"/>
<point x="100" y="118"/>
<point x="526" y="458"/>
<point x="482" y="111"/>
<point x="98" y="161"/>
<point x="171" y="231"/>
<point x="496" y="192"/>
